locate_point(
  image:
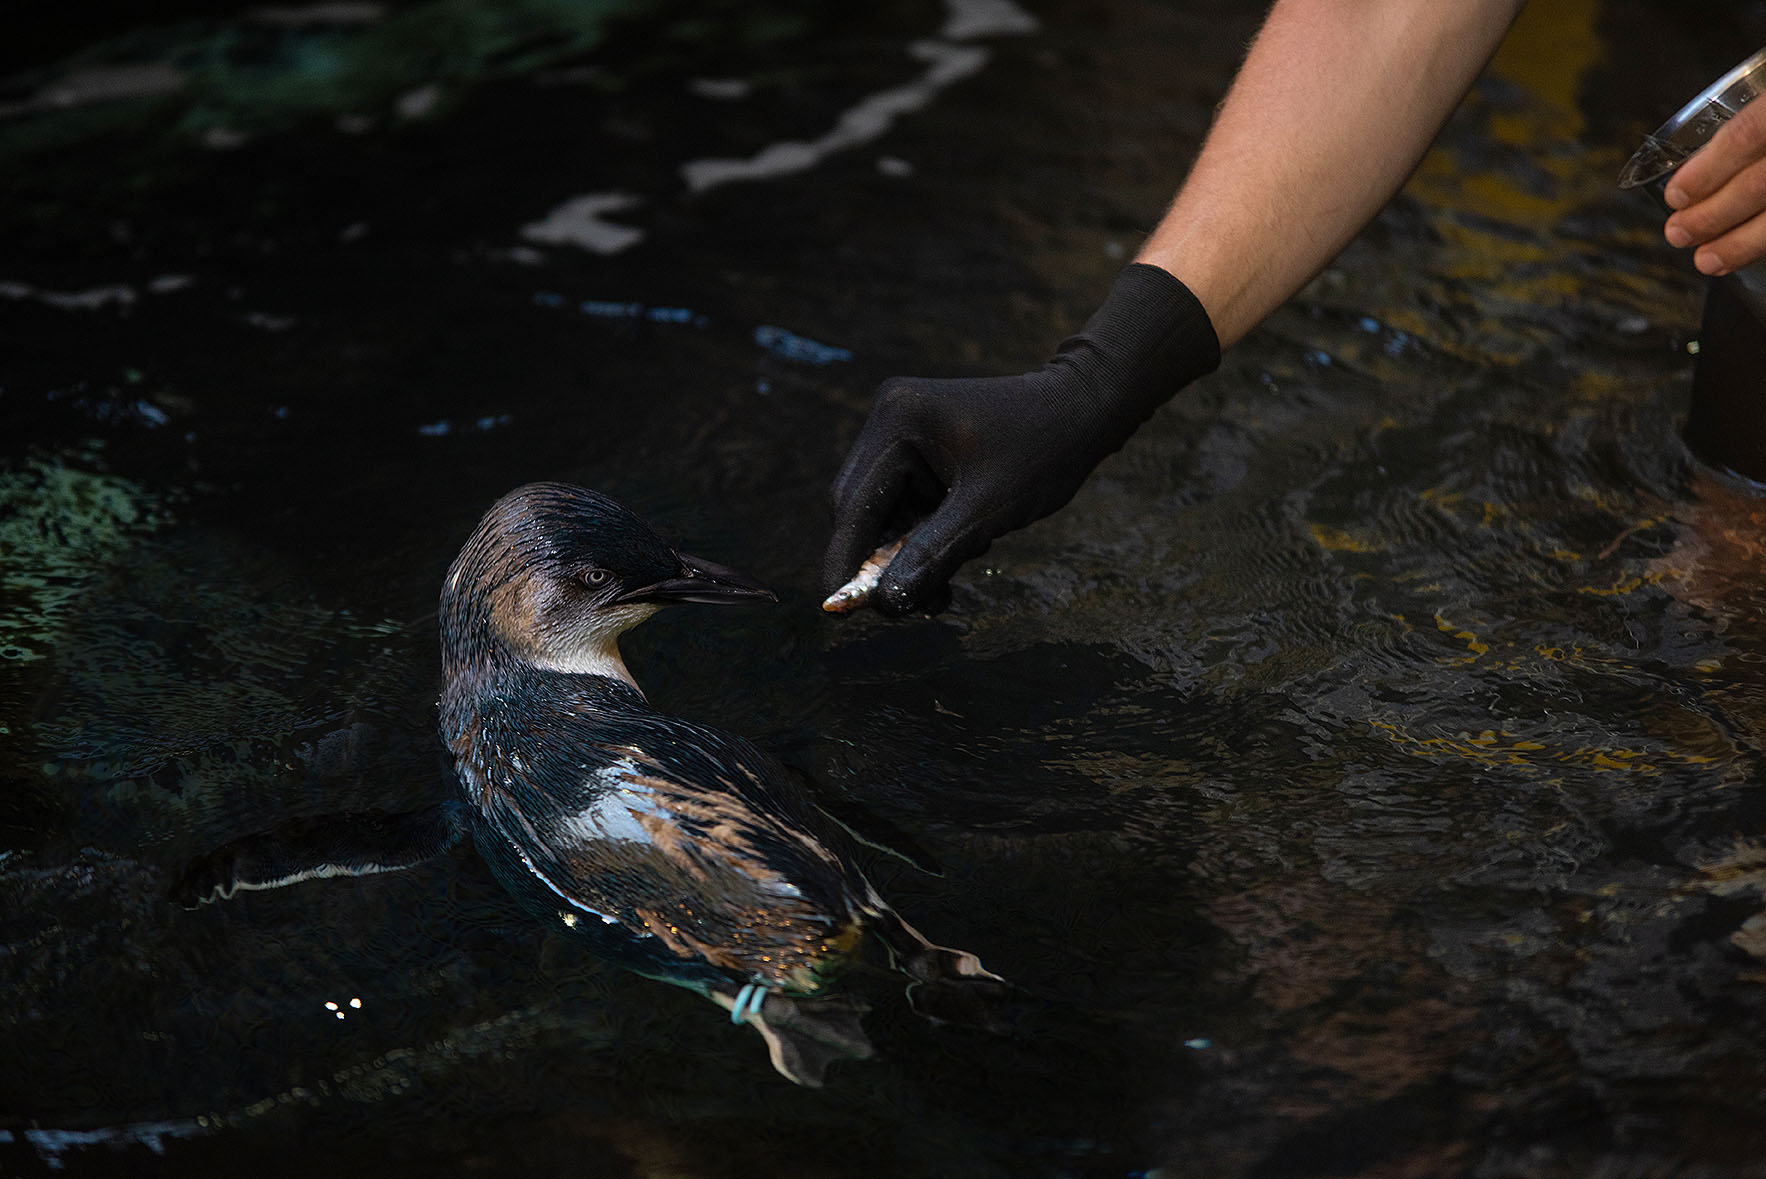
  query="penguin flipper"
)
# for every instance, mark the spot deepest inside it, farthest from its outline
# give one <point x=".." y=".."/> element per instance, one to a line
<point x="359" y="843"/>
<point x="805" y="1037"/>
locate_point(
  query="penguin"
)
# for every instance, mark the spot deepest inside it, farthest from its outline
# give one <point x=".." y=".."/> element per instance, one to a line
<point x="677" y="850"/>
<point x="667" y="847"/>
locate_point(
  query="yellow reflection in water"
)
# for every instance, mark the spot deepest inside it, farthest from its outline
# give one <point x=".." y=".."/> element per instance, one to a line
<point x="1336" y="540"/>
<point x="1552" y="45"/>
<point x="1499" y="747"/>
<point x="1498" y="220"/>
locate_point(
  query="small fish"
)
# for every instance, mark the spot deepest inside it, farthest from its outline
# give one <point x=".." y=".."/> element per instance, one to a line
<point x="857" y="592"/>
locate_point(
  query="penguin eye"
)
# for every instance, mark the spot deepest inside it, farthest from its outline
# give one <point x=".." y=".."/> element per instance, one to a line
<point x="596" y="578"/>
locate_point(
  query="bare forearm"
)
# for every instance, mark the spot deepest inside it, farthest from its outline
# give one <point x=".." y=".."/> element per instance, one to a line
<point x="1335" y="104"/>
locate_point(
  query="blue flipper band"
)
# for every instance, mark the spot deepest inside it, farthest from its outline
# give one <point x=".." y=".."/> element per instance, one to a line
<point x="748" y="1001"/>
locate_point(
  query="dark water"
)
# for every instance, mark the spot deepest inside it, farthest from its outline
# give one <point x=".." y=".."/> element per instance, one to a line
<point x="1360" y="777"/>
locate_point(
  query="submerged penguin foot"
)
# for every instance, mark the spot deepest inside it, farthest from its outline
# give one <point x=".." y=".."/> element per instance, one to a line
<point x="804" y="1036"/>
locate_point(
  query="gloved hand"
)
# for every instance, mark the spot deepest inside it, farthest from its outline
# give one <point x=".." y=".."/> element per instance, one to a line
<point x="956" y="463"/>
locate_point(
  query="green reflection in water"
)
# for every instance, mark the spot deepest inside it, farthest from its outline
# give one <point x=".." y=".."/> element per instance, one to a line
<point x="366" y="65"/>
<point x="57" y="524"/>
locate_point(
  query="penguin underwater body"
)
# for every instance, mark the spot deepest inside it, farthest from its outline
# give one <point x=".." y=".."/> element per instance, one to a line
<point x="666" y="847"/>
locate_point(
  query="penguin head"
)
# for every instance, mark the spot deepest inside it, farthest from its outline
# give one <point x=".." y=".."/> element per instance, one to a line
<point x="554" y="573"/>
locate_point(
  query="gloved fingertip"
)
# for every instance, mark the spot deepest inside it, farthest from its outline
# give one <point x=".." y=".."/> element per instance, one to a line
<point x="828" y="578"/>
<point x="894" y="600"/>
<point x="911" y="589"/>
<point x="838" y="569"/>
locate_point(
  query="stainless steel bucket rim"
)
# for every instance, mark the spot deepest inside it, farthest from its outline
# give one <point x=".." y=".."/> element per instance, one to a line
<point x="1676" y="140"/>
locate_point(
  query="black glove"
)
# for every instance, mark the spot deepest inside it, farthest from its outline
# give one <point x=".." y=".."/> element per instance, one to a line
<point x="960" y="462"/>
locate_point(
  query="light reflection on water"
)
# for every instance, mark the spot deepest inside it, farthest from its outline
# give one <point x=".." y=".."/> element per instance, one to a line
<point x="1360" y="774"/>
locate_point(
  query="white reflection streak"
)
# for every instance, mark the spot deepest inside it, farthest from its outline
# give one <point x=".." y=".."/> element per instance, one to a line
<point x="579" y="221"/>
<point x="868" y="119"/>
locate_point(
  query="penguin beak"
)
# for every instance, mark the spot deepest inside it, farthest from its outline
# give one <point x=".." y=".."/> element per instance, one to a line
<point x="701" y="581"/>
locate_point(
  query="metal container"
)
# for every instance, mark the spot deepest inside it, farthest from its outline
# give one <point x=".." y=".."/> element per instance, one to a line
<point x="1726" y="421"/>
<point x="1674" y="142"/>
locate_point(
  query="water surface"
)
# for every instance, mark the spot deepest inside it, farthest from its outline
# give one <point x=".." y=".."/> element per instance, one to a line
<point x="1359" y="777"/>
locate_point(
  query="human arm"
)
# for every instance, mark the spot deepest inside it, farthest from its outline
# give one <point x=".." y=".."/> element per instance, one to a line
<point x="1719" y="196"/>
<point x="1332" y="109"/>
<point x="1334" y="105"/>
